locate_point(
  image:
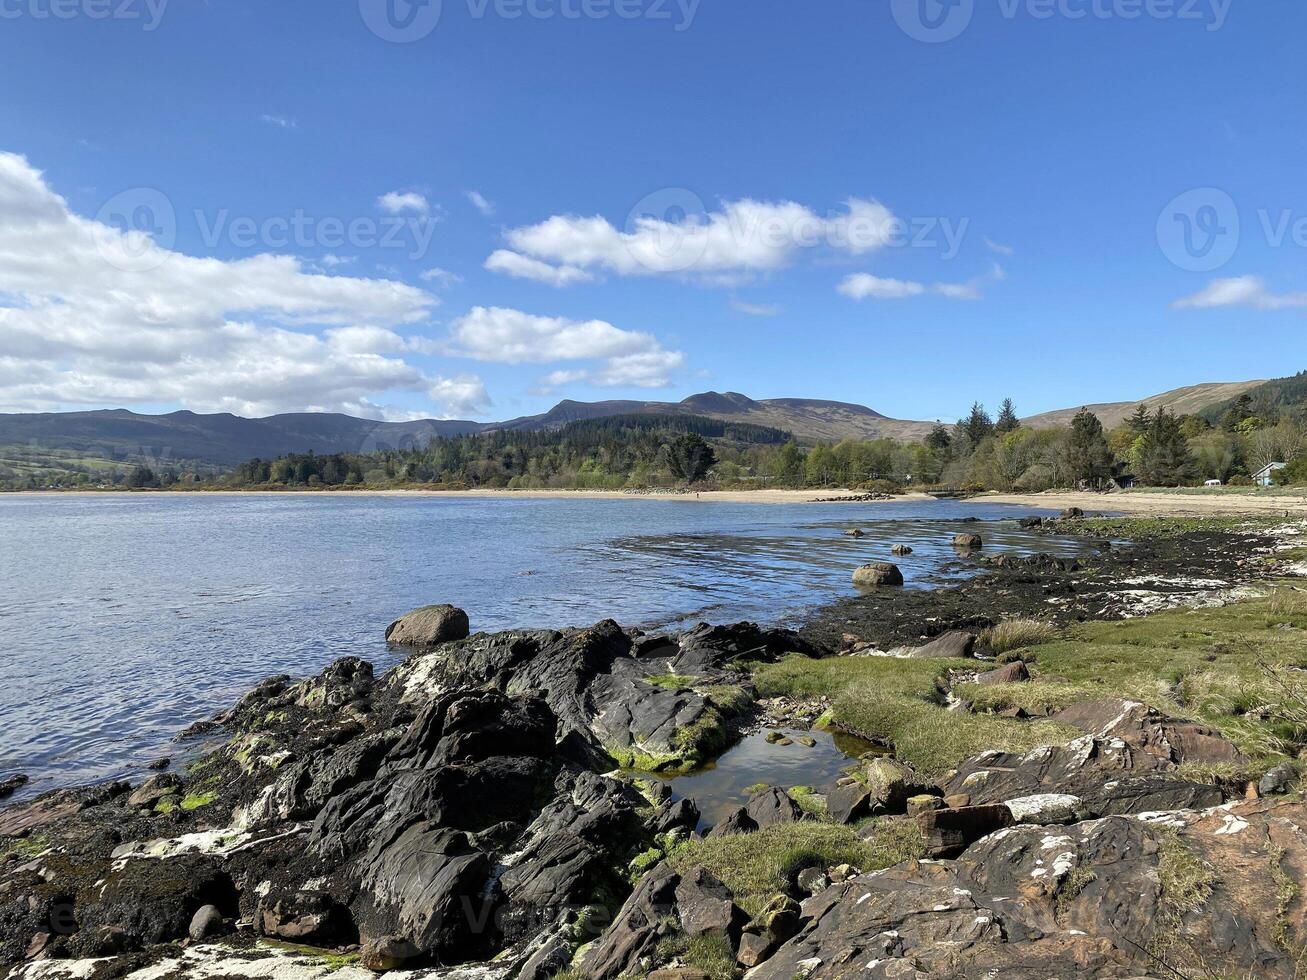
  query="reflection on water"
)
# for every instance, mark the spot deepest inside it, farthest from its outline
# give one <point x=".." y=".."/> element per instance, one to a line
<point x="124" y="618"/>
<point x="722" y="787"/>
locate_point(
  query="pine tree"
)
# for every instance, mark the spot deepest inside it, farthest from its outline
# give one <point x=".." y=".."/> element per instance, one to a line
<point x="1164" y="457"/>
<point x="977" y="426"/>
<point x="1007" y="418"/>
<point x="1089" y="456"/>
<point x="1139" y="422"/>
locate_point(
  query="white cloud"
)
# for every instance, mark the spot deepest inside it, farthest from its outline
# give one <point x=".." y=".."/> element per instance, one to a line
<point x="397" y="202"/>
<point x="999" y="249"/>
<point x="865" y="286"/>
<point x="79" y="327"/>
<point x="1249" y="291"/>
<point x="522" y="267"/>
<point x="755" y="309"/>
<point x="480" y="203"/>
<point x="462" y="395"/>
<point x="627" y="357"/>
<point x="443" y="278"/>
<point x="283" y="122"/>
<point x="336" y="261"/>
<point x="744" y="237"/>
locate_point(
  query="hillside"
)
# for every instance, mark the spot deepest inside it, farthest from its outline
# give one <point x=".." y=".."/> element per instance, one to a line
<point x="1183" y="401"/>
<point x="1268" y="400"/>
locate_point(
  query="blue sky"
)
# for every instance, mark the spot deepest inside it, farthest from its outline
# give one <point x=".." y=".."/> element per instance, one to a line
<point x="833" y="206"/>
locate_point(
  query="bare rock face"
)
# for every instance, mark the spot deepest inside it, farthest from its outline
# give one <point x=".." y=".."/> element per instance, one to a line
<point x="705" y="905"/>
<point x="1148" y="730"/>
<point x="1097" y="899"/>
<point x="950" y="832"/>
<point x="881" y="573"/>
<point x="635" y="932"/>
<point x="764" y="809"/>
<point x="1014" y="673"/>
<point x="428" y="627"/>
<point x="956" y="645"/>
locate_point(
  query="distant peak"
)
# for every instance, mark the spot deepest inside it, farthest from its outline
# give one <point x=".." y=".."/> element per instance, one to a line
<point x="715" y="401"/>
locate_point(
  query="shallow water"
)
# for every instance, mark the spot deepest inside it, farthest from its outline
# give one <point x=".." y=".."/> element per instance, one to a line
<point x="124" y="618"/>
<point x="725" y="785"/>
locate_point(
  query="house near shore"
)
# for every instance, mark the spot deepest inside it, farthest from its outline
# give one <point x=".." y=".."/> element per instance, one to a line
<point x="1265" y="477"/>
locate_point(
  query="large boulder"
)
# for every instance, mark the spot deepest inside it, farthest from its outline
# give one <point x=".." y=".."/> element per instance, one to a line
<point x="880" y="573"/>
<point x="968" y="542"/>
<point x="428" y="627"/>
<point x="705" y="905"/>
<point x="1015" y="672"/>
<point x="765" y="808"/>
<point x="954" y="645"/>
<point x="950" y="832"/>
<point x="629" y="943"/>
<point x="1147" y="729"/>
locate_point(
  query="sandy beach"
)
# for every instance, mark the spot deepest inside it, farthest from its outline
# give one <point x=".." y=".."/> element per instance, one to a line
<point x="1160" y="504"/>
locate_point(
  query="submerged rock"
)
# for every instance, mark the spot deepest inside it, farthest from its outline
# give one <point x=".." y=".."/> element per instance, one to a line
<point x="881" y="573"/>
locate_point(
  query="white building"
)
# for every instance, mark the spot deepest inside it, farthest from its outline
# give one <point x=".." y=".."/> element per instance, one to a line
<point x="1266" y="475"/>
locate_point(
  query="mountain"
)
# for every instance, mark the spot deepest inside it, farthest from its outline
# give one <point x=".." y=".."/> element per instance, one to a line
<point x="225" y="440"/>
<point x="1182" y="401"/>
<point x="1268" y="400"/>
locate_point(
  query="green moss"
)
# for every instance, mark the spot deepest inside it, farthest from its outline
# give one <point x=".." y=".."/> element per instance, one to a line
<point x="672" y="682"/>
<point x="810" y="801"/>
<point x="193" y="801"/>
<point x="166" y="805"/>
<point x="731" y="699"/>
<point x="1077" y="881"/>
<point x="756" y="866"/>
<point x="644" y="862"/>
<point x="1142" y="528"/>
<point x="326" y="958"/>
<point x="26" y="847"/>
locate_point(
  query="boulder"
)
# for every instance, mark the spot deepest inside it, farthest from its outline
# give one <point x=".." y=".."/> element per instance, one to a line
<point x="386" y="953"/>
<point x="1031" y="522"/>
<point x="1148" y="730"/>
<point x="154" y="789"/>
<point x="775" y="924"/>
<point x="678" y="813"/>
<point x="1278" y="780"/>
<point x="428" y="627"/>
<point x="881" y="573"/>
<point x="705" y="905"/>
<point x="1046" y="808"/>
<point x="310" y="917"/>
<point x="855" y="533"/>
<point x="812" y="880"/>
<point x="955" y="645"/>
<point x="950" y="832"/>
<point x="12" y="784"/>
<point x="764" y="809"/>
<point x="206" y="923"/>
<point x="628" y="944"/>
<point x="1013" y="673"/>
<point x="901" y="550"/>
<point x="968" y="542"/>
<point x="883" y="787"/>
<point x="1072" y="513"/>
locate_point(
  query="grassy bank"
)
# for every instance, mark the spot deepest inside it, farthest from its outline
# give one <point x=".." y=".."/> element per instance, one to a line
<point x="1235" y="668"/>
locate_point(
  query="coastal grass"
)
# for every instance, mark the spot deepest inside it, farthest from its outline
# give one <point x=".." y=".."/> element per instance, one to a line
<point x="899" y="703"/>
<point x="758" y="865"/>
<point x="1017" y="634"/>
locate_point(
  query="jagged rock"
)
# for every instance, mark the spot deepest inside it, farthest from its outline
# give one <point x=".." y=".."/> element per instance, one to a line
<point x="428" y="627"/>
<point x="950" y="832"/>
<point x="386" y="953"/>
<point x="154" y="789"/>
<point x="1151" y="731"/>
<point x="968" y="542"/>
<point x="1046" y="808"/>
<point x="681" y="813"/>
<point x="765" y="808"/>
<point x="1087" y="900"/>
<point x="1278" y="780"/>
<point x="206" y="923"/>
<point x="881" y="573"/>
<point x="776" y="923"/>
<point x="956" y="645"/>
<point x="654" y="646"/>
<point x="705" y="905"/>
<point x="11" y="785"/>
<point x="310" y="917"/>
<point x="923" y="804"/>
<point x="635" y="932"/>
<point x="1013" y="673"/>
<point x="901" y="550"/>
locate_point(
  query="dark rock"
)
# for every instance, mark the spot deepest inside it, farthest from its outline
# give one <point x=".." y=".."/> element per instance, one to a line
<point x="206" y="923"/>
<point x="855" y="533"/>
<point x="1031" y="522"/>
<point x="681" y="813"/>
<point x="428" y="627"/>
<point x="812" y="880"/>
<point x="950" y="832"/>
<point x="654" y="646"/>
<point x="151" y="901"/>
<point x="901" y="550"/>
<point x="705" y="905"/>
<point x="635" y="932"/>
<point x="1278" y="780"/>
<point x="11" y="785"/>
<point x="1072" y="513"/>
<point x="881" y="573"/>
<point x="309" y="917"/>
<point x="1012" y="673"/>
<point x="160" y="764"/>
<point x="775" y="924"/>
<point x="386" y="953"/>
<point x="154" y="789"/>
<point x="764" y="809"/>
<point x="957" y="644"/>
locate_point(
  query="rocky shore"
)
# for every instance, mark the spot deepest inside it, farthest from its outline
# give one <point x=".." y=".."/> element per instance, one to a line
<point x="485" y="809"/>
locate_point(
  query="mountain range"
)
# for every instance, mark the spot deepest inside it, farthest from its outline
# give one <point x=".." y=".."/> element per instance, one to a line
<point x="224" y="439"/>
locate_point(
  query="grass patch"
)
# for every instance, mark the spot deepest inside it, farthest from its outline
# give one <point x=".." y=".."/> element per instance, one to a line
<point x="712" y="954"/>
<point x="1034" y="697"/>
<point x="672" y="682"/>
<point x="1186" y="886"/>
<point x="810" y="801"/>
<point x="1017" y="634"/>
<point x="898" y="702"/>
<point x="756" y="866"/>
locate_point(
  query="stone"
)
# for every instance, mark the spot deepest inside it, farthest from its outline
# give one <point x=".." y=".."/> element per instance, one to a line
<point x="11" y="785"/>
<point x="774" y="925"/>
<point x="206" y="923"/>
<point x="812" y="880"/>
<point x="639" y="925"/>
<point x="955" y="645"/>
<point x="950" y="832"/>
<point x="968" y="542"/>
<point x="705" y="905"/>
<point x="680" y="813"/>
<point x="855" y="533"/>
<point x="1072" y="513"/>
<point x="957" y="800"/>
<point x="1148" y="730"/>
<point x="386" y="953"/>
<point x="766" y="808"/>
<point x="428" y="627"/>
<point x="1015" y="672"/>
<point x="158" y="765"/>
<point x="1031" y="522"/>
<point x="1278" y="780"/>
<point x="923" y="804"/>
<point x="881" y="573"/>
<point x="901" y="550"/>
<point x="154" y="789"/>
<point x="774" y="738"/>
<point x="680" y="973"/>
<point x="310" y="917"/>
<point x="1047" y="808"/>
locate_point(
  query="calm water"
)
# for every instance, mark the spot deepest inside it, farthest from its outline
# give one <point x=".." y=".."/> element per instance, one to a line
<point x="125" y="618"/>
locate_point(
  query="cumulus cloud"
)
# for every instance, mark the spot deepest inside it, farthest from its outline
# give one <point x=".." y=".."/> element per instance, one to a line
<point x="480" y="203"/>
<point x="1250" y="291"/>
<point x="863" y="285"/>
<point x="522" y="267"/>
<point x="397" y="202"/>
<point x="93" y="315"/>
<point x="462" y="395"/>
<point x="442" y="278"/>
<point x="626" y="357"/>
<point x="744" y="237"/>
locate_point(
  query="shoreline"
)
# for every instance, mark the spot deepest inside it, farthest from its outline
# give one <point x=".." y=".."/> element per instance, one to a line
<point x="1159" y="504"/>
